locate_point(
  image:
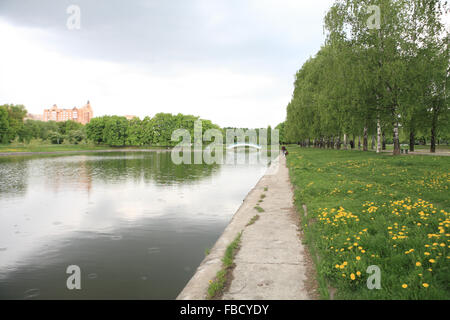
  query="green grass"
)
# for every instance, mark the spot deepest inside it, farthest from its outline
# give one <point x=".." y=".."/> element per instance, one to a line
<point x="217" y="285"/>
<point x="10" y="148"/>
<point x="439" y="148"/>
<point x="259" y="209"/>
<point x="367" y="209"/>
<point x="253" y="220"/>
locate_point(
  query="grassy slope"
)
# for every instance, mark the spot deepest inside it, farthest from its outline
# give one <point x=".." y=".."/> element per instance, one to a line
<point x="367" y="209"/>
<point x="60" y="147"/>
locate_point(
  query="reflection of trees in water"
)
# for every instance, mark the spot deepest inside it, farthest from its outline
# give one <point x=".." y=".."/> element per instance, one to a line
<point x="13" y="176"/>
<point x="151" y="166"/>
<point x="72" y="171"/>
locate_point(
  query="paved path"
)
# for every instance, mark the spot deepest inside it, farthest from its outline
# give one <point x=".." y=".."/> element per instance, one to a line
<point x="271" y="262"/>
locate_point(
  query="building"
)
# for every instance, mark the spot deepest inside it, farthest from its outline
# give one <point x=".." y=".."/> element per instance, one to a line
<point x="82" y="115"/>
<point x="130" y="117"/>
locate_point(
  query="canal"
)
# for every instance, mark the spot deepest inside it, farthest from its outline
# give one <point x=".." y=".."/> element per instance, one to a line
<point x="135" y="223"/>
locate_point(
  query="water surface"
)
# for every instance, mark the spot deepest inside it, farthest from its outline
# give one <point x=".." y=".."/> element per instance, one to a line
<point x="135" y="223"/>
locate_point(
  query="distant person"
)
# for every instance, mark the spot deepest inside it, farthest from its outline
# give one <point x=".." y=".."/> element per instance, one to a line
<point x="352" y="144"/>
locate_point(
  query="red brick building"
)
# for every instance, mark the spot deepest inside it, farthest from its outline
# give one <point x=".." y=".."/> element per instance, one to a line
<point x="82" y="115"/>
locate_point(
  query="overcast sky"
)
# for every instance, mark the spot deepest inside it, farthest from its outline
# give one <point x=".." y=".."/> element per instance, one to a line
<point x="230" y="61"/>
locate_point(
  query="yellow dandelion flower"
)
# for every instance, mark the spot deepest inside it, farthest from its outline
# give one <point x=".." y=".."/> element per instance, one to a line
<point x="404" y="286"/>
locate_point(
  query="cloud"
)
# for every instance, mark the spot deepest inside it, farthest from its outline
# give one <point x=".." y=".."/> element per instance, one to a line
<point x="229" y="61"/>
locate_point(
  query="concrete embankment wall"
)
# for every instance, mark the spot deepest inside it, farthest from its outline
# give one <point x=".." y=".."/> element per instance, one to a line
<point x="197" y="287"/>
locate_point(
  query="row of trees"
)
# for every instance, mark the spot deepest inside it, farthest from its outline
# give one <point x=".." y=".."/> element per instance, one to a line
<point x="11" y="122"/>
<point x="374" y="78"/>
<point x="14" y="128"/>
<point x="157" y="131"/>
<point x="106" y="130"/>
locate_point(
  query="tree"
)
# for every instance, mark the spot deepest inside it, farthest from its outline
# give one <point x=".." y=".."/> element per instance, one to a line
<point x="4" y="125"/>
<point x="115" y="131"/>
<point x="94" y="130"/>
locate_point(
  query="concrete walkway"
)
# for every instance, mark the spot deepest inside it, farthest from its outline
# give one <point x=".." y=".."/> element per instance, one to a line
<point x="271" y="262"/>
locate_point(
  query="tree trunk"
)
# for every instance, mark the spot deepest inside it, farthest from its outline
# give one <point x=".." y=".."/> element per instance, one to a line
<point x="345" y="141"/>
<point x="365" y="142"/>
<point x="338" y="142"/>
<point x="378" y="136"/>
<point x="332" y="142"/>
<point x="372" y="145"/>
<point x="359" y="142"/>
<point x="433" y="131"/>
<point x="383" y="145"/>
<point x="412" y="140"/>
<point x="396" y="140"/>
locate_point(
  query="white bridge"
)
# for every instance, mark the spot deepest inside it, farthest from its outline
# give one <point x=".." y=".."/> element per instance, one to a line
<point x="238" y="145"/>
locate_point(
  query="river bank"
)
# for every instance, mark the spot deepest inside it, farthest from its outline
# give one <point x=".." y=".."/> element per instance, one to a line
<point x="70" y="149"/>
<point x="271" y="262"/>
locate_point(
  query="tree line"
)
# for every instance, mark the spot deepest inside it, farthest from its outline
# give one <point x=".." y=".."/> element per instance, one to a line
<point x="156" y="131"/>
<point x="374" y="81"/>
<point x="106" y="130"/>
<point x="13" y="127"/>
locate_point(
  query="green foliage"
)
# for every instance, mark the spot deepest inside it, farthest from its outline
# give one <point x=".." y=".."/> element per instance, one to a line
<point x="395" y="77"/>
<point x="4" y="125"/>
<point x="13" y="127"/>
<point x="259" y="209"/>
<point x="115" y="131"/>
<point x="11" y="121"/>
<point x="76" y="136"/>
<point x="56" y="137"/>
<point x="156" y="131"/>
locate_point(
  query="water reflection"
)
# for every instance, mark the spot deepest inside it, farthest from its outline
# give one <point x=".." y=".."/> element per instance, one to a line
<point x="135" y="223"/>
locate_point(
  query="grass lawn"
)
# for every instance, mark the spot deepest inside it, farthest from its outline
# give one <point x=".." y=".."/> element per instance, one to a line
<point x="439" y="148"/>
<point x="366" y="209"/>
<point x="60" y="147"/>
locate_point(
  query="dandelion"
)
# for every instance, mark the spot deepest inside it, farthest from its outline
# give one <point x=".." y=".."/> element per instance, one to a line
<point x="404" y="286"/>
<point x="352" y="276"/>
<point x="418" y="264"/>
<point x="425" y="285"/>
<point x="432" y="260"/>
<point x="358" y="258"/>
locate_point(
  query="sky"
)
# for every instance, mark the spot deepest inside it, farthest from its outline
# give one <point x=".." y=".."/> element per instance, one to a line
<point x="229" y="61"/>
